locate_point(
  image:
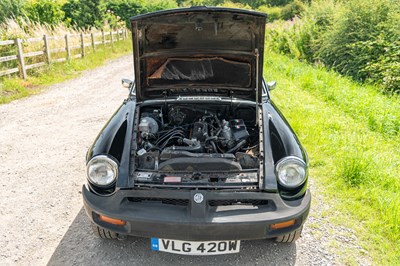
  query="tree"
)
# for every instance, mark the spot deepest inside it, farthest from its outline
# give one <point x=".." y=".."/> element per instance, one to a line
<point x="85" y="13"/>
<point x="11" y="9"/>
<point x="45" y="11"/>
<point x="128" y="8"/>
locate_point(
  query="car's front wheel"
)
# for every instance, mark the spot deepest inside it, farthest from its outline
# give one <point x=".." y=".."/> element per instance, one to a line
<point x="291" y="237"/>
<point x="104" y="233"/>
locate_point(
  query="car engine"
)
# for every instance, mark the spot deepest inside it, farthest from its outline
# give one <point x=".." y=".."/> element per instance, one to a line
<point x="183" y="138"/>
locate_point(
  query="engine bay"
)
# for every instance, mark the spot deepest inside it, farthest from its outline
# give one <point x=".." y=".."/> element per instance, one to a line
<point x="197" y="138"/>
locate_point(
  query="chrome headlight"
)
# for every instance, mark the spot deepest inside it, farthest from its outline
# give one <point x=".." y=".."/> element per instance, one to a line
<point x="102" y="171"/>
<point x="291" y="171"/>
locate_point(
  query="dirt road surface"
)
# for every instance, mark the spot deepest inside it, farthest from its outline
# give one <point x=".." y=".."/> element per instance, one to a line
<point x="43" y="142"/>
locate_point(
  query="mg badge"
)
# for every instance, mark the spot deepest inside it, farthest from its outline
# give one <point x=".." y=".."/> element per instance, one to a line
<point x="198" y="198"/>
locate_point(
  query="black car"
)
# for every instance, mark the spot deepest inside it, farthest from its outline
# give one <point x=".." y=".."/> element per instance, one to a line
<point x="198" y="157"/>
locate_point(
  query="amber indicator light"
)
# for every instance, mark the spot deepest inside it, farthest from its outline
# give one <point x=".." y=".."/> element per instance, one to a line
<point x="283" y="224"/>
<point x="111" y="220"/>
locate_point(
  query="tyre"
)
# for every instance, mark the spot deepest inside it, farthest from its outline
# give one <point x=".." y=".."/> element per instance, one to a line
<point x="104" y="233"/>
<point x="291" y="237"/>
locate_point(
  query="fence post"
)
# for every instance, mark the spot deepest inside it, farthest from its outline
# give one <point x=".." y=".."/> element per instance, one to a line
<point x="103" y="37"/>
<point x="21" y="58"/>
<point x="46" y="48"/>
<point x="118" y="32"/>
<point x="67" y="46"/>
<point x="112" y="38"/>
<point x="92" y="37"/>
<point x="82" y="45"/>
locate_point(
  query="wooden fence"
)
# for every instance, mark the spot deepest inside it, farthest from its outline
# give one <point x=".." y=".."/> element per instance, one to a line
<point x="71" y="51"/>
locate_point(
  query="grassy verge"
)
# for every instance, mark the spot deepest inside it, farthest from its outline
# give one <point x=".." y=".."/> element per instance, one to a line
<point x="15" y="88"/>
<point x="351" y="133"/>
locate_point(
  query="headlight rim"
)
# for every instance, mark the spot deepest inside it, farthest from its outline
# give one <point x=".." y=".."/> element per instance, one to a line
<point x="110" y="160"/>
<point x="294" y="159"/>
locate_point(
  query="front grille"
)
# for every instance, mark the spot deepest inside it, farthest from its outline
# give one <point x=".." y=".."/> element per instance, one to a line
<point x="213" y="203"/>
<point x="229" y="202"/>
<point x="180" y="202"/>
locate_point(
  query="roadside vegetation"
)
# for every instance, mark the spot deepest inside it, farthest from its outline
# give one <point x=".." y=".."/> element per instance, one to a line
<point x="351" y="133"/>
<point x="356" y="38"/>
<point x="81" y="14"/>
<point x="338" y="65"/>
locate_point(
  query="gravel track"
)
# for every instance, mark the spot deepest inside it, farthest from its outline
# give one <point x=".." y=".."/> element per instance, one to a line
<point x="43" y="142"/>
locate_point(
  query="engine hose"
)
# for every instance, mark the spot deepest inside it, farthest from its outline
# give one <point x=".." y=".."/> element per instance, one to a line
<point x="196" y="148"/>
<point x="237" y="146"/>
<point x="211" y="138"/>
<point x="213" y="145"/>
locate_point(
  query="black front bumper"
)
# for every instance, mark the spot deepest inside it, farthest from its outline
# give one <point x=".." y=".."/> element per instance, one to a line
<point x="173" y="214"/>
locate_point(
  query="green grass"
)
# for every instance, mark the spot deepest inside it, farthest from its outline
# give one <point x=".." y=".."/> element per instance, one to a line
<point x="351" y="133"/>
<point x="15" y="88"/>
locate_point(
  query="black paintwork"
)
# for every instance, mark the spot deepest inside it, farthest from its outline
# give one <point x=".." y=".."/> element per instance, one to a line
<point x="281" y="141"/>
<point x="197" y="8"/>
<point x="115" y="140"/>
<point x="196" y="222"/>
<point x="233" y="35"/>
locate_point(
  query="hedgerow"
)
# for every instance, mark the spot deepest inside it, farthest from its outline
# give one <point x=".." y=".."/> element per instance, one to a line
<point x="356" y="38"/>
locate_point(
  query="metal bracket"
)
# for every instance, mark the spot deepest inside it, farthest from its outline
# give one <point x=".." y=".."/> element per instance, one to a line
<point x="257" y="54"/>
<point x="165" y="94"/>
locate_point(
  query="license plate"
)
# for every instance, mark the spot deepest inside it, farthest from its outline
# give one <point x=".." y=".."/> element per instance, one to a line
<point x="195" y="247"/>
